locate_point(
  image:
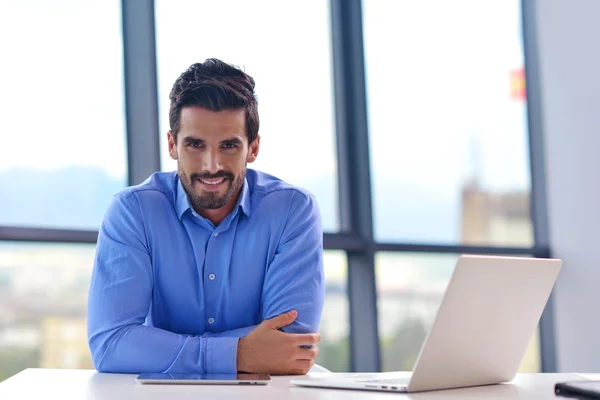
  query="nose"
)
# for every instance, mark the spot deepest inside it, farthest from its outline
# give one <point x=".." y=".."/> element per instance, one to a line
<point x="212" y="161"/>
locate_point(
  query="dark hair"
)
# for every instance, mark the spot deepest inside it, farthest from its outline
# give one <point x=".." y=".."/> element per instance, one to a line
<point x="215" y="86"/>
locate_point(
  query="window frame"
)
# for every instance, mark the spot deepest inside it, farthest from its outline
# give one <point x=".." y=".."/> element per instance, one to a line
<point x="354" y="193"/>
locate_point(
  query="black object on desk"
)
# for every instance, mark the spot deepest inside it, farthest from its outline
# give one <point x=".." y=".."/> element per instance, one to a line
<point x="587" y="389"/>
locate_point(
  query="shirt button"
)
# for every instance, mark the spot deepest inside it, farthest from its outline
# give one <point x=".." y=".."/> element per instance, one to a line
<point x="211" y="277"/>
<point x="216" y="234"/>
<point x="211" y="320"/>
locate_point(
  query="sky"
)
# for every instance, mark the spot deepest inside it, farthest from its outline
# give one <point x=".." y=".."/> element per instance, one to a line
<point x="438" y="87"/>
<point x="437" y="74"/>
<point x="61" y="76"/>
<point x="437" y="84"/>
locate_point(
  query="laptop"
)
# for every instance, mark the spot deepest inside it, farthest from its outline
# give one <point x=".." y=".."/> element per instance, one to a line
<point x="488" y="314"/>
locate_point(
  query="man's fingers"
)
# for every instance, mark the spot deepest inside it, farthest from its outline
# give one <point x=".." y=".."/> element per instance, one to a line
<point x="308" y="354"/>
<point x="301" y="367"/>
<point x="281" y="320"/>
<point x="307" y="338"/>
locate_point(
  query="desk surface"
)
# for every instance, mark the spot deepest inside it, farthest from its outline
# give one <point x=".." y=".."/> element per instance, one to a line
<point x="89" y="384"/>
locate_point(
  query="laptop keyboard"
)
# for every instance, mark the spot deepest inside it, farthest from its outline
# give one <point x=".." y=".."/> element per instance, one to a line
<point x="392" y="381"/>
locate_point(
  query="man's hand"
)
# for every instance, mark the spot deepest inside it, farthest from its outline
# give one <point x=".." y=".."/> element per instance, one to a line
<point x="268" y="350"/>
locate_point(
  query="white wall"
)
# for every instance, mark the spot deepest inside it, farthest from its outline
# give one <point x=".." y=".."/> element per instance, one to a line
<point x="569" y="55"/>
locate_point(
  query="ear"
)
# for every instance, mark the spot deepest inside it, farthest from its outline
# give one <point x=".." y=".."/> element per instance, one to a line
<point x="253" y="150"/>
<point x="172" y="145"/>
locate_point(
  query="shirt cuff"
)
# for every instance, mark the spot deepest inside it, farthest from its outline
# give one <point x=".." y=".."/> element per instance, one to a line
<point x="221" y="355"/>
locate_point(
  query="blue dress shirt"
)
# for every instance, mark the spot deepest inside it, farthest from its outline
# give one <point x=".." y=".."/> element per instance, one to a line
<point x="170" y="292"/>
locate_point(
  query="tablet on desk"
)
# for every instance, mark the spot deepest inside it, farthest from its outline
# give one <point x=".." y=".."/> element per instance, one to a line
<point x="204" y="379"/>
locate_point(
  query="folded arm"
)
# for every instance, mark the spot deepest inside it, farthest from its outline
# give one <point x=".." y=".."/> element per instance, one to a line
<point x="122" y="284"/>
<point x="119" y="300"/>
<point x="294" y="282"/>
<point x="295" y="277"/>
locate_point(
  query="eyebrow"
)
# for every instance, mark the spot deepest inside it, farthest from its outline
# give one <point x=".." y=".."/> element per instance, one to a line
<point x="232" y="141"/>
<point x="191" y="139"/>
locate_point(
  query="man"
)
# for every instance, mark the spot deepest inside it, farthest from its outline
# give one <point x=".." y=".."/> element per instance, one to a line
<point x="214" y="268"/>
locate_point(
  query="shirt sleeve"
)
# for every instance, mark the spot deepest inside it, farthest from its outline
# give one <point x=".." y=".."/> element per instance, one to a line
<point x="295" y="277"/>
<point x="119" y="300"/>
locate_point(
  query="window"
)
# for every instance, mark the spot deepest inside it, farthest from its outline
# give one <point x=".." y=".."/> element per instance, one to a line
<point x="447" y="122"/>
<point x="286" y="48"/>
<point x="334" y="348"/>
<point x="63" y="133"/>
<point x="43" y="300"/>
<point x="410" y="287"/>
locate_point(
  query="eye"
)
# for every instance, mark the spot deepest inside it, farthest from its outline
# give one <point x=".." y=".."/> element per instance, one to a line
<point x="229" y="146"/>
<point x="194" y="145"/>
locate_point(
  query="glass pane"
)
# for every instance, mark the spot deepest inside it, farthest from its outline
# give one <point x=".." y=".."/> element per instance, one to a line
<point x="43" y="299"/>
<point x="63" y="132"/>
<point x="334" y="349"/>
<point x="447" y="122"/>
<point x="289" y="57"/>
<point x="410" y="288"/>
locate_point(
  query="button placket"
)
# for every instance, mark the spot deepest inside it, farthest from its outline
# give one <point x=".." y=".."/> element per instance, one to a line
<point x="219" y="247"/>
<point x="210" y="290"/>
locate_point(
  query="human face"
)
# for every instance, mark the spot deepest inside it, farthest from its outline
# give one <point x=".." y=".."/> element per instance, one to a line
<point x="212" y="151"/>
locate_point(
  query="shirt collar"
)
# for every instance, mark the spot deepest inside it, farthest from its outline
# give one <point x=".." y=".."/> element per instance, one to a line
<point x="244" y="199"/>
<point x="182" y="202"/>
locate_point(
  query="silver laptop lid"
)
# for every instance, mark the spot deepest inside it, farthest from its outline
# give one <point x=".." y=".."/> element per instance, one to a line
<point x="489" y="312"/>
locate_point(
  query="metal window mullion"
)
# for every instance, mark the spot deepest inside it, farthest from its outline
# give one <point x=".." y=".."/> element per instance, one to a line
<point x="539" y="208"/>
<point x="354" y="181"/>
<point x="457" y="249"/>
<point x="26" y="234"/>
<point x="141" y="98"/>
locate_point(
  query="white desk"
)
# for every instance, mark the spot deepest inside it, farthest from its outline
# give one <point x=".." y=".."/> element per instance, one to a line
<point x="91" y="385"/>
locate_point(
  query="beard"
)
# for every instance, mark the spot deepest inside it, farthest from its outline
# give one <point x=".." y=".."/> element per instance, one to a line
<point x="211" y="200"/>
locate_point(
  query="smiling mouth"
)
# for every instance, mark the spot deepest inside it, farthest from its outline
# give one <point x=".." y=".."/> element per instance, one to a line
<point x="212" y="181"/>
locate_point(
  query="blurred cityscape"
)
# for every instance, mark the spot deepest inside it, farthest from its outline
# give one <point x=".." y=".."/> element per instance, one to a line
<point x="43" y="293"/>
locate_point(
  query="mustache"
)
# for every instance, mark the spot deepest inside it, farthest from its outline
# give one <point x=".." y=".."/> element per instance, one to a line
<point x="207" y="175"/>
